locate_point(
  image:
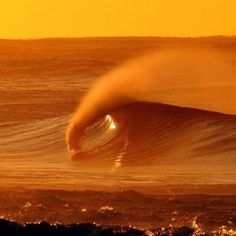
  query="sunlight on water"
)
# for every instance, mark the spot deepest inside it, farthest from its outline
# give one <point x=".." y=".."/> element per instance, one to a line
<point x="111" y="121"/>
<point x="119" y="158"/>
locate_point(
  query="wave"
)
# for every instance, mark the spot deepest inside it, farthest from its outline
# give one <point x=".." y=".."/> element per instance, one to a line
<point x="151" y="135"/>
<point x="174" y="104"/>
<point x="134" y="145"/>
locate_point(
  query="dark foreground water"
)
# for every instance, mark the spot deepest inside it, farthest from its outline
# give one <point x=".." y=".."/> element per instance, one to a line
<point x="114" y="213"/>
<point x="12" y="228"/>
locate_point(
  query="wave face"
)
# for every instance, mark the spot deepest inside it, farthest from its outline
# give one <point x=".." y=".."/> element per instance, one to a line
<point x="152" y="135"/>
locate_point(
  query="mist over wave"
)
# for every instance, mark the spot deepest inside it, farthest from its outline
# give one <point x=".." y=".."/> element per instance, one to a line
<point x="171" y="106"/>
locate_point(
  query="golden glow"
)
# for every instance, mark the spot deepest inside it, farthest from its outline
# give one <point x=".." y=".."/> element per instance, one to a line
<point x="118" y="162"/>
<point x="112" y="124"/>
<point x="79" y="18"/>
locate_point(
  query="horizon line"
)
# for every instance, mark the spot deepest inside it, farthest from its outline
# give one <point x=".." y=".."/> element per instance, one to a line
<point x="128" y="36"/>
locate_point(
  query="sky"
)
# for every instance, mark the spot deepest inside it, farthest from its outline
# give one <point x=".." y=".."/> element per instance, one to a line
<point x="20" y="19"/>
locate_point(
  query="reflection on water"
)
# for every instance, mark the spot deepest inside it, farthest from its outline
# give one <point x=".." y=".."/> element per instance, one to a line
<point x="111" y="122"/>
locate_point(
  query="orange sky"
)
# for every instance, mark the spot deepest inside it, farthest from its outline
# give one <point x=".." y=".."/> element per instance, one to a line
<point x="79" y="18"/>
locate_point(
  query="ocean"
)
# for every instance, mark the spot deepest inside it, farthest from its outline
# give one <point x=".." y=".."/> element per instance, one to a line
<point x="156" y="118"/>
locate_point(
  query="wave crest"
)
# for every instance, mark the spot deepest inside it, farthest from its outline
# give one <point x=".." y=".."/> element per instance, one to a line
<point x="196" y="77"/>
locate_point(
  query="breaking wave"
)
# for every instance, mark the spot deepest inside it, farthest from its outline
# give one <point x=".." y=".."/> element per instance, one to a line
<point x="174" y="106"/>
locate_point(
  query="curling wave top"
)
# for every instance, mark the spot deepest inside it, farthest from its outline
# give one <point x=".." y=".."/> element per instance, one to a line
<point x="196" y="77"/>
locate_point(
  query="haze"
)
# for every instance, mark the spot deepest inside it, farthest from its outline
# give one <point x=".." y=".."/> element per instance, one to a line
<point x="76" y="18"/>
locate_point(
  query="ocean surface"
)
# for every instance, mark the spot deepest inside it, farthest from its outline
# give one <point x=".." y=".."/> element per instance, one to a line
<point x="140" y="143"/>
<point x="128" y="137"/>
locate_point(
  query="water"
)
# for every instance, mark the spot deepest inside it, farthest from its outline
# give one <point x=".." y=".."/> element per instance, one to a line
<point x="131" y="135"/>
